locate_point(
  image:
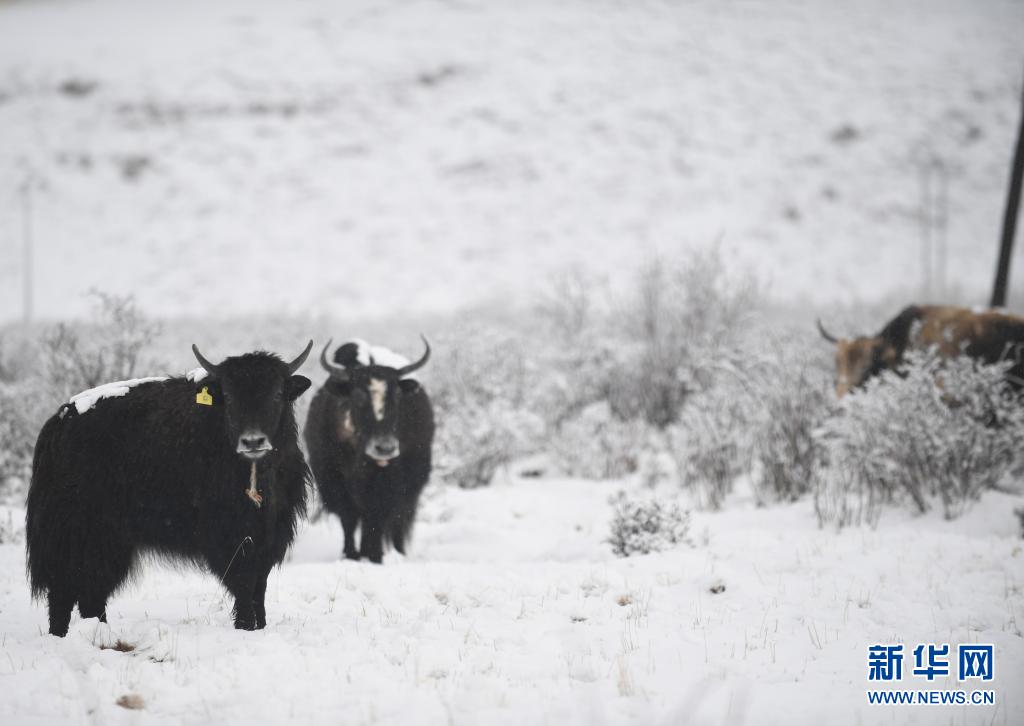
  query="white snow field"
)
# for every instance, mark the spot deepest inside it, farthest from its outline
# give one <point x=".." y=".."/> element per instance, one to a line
<point x="510" y="609"/>
<point x="321" y="157"/>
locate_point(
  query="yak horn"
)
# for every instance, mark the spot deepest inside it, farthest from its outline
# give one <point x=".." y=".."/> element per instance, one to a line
<point x="406" y="370"/>
<point x="825" y="334"/>
<point x="297" y="363"/>
<point x="210" y="367"/>
<point x="337" y="371"/>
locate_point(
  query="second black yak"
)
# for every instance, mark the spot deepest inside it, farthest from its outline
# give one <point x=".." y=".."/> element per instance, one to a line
<point x="369" y="435"/>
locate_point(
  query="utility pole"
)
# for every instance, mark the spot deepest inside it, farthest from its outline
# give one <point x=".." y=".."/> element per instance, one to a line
<point x="1010" y="218"/>
<point x="27" y="260"/>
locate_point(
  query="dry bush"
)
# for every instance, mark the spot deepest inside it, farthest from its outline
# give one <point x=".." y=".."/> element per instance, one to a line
<point x="596" y="444"/>
<point x="789" y="396"/>
<point x="76" y="357"/>
<point x="479" y="390"/>
<point x="710" y="444"/>
<point x="67" y="359"/>
<point x="687" y="319"/>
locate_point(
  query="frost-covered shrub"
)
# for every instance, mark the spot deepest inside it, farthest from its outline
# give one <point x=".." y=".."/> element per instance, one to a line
<point x="20" y="420"/>
<point x="945" y="430"/>
<point x="687" y="319"/>
<point x="79" y="356"/>
<point x="479" y="387"/>
<point x="596" y="444"/>
<point x="23" y="408"/>
<point x="788" y="397"/>
<point x="645" y="353"/>
<point x="710" y="444"/>
<point x="36" y="376"/>
<point x="641" y="525"/>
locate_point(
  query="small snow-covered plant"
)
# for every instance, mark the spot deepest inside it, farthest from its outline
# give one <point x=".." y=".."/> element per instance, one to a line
<point x="76" y="357"/>
<point x="641" y="525"/>
<point x="12" y="531"/>
<point x="596" y="444"/>
<point x="710" y="443"/>
<point x="940" y="429"/>
<point x="479" y="387"/>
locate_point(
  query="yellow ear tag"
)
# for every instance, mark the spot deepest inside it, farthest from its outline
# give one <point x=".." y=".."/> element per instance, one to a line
<point x="204" y="398"/>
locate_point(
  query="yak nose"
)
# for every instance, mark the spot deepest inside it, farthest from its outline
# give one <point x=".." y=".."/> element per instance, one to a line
<point x="253" y="444"/>
<point x="383" y="448"/>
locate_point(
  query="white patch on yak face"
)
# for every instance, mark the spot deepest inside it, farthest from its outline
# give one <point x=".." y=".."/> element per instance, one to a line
<point x="378" y="392"/>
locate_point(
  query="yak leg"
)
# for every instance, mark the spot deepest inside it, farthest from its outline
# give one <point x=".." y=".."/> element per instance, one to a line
<point x="111" y="570"/>
<point x="93" y="605"/>
<point x="240" y="578"/>
<point x="259" y="598"/>
<point x="60" y="604"/>
<point x="349" y="520"/>
<point x="370" y="544"/>
<point x="401" y="525"/>
<point x="399" y="530"/>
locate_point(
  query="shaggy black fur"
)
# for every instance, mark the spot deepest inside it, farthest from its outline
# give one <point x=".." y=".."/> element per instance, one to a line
<point x="340" y="431"/>
<point x="156" y="472"/>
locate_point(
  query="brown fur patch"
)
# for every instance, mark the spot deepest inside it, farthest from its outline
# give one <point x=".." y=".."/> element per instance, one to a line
<point x="346" y="430"/>
<point x="131" y="701"/>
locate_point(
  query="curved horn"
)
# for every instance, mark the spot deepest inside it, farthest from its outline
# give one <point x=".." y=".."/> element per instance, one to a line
<point x="297" y="363"/>
<point x="334" y="369"/>
<point x="825" y="334"/>
<point x="210" y="367"/>
<point x="406" y="370"/>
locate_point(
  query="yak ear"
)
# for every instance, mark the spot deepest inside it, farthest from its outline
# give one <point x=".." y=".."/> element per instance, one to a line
<point x="409" y="385"/>
<point x="295" y="386"/>
<point x="338" y="388"/>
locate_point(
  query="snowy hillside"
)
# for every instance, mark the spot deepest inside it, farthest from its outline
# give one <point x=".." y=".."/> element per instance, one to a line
<point x="511" y="610"/>
<point x="318" y="157"/>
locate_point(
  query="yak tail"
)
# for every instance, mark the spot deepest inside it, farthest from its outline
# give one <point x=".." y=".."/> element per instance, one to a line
<point x="41" y="511"/>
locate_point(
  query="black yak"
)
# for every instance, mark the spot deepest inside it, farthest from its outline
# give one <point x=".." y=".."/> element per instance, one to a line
<point x="990" y="336"/>
<point x="205" y="469"/>
<point x="369" y="435"/>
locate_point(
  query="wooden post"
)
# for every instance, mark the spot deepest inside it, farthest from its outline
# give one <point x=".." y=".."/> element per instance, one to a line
<point x="1010" y="219"/>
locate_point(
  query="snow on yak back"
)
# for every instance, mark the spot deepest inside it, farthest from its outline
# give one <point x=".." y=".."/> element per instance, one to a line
<point x="204" y="468"/>
<point x="987" y="335"/>
<point x="369" y="435"/>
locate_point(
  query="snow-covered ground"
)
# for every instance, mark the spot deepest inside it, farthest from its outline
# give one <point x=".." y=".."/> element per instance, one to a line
<point x="322" y="157"/>
<point x="511" y="610"/>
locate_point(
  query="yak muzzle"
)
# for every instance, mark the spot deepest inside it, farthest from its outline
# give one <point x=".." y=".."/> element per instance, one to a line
<point x="253" y="445"/>
<point x="382" y="449"/>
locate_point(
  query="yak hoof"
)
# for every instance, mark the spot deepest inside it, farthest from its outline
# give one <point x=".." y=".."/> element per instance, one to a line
<point x="245" y="621"/>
